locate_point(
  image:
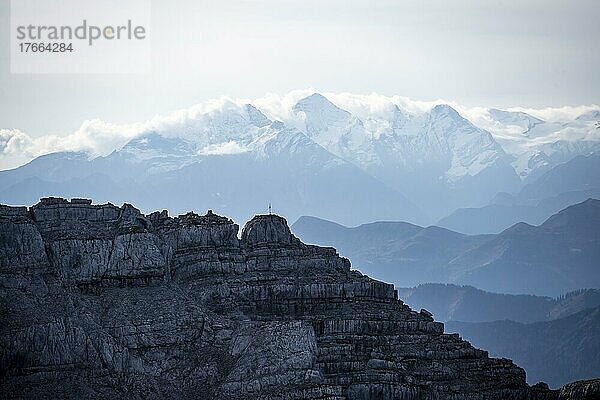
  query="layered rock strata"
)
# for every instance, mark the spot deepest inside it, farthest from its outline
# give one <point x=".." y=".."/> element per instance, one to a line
<point x="100" y="301"/>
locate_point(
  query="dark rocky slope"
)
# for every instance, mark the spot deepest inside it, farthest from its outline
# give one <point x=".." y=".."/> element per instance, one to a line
<point x="99" y="301"/>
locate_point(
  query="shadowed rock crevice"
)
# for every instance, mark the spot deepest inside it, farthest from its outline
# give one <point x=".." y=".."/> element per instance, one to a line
<point x="99" y="301"/>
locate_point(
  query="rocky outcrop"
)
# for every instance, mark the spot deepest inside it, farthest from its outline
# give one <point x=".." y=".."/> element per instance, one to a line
<point x="583" y="390"/>
<point x="99" y="301"/>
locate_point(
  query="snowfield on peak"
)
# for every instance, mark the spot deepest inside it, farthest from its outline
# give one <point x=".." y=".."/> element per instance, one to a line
<point x="348" y="125"/>
<point x="537" y="145"/>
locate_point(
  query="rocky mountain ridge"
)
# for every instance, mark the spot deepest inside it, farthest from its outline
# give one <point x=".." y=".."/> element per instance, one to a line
<point x="103" y="301"/>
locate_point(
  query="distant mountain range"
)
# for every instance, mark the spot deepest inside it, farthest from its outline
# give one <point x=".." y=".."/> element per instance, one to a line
<point x="556" y="351"/>
<point x="536" y="145"/>
<point x="450" y="302"/>
<point x="554" y="339"/>
<point x="352" y="163"/>
<point x="566" y="184"/>
<point x="276" y="165"/>
<point x="553" y="258"/>
<point x="437" y="154"/>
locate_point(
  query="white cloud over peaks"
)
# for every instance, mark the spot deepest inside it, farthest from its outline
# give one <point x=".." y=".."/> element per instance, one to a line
<point x="279" y="107"/>
<point x="14" y="148"/>
<point x="99" y="138"/>
<point x="94" y="136"/>
<point x="196" y="123"/>
<point x="13" y="141"/>
<point x="557" y="114"/>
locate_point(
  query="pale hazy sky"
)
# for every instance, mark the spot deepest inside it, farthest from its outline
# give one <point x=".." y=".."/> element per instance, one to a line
<point x="488" y="53"/>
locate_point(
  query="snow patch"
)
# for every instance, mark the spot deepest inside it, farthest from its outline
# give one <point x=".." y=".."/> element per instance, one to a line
<point x="230" y="147"/>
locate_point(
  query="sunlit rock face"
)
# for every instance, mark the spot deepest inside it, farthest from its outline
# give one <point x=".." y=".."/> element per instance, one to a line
<point x="100" y="301"/>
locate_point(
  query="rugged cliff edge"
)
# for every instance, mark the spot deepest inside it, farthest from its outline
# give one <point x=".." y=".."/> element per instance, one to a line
<point x="99" y="301"/>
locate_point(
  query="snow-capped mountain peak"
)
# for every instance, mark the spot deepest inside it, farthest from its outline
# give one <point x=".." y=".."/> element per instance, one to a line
<point x="318" y="104"/>
<point x="445" y="111"/>
<point x="536" y="144"/>
<point x="425" y="150"/>
<point x="395" y="145"/>
<point x="319" y="114"/>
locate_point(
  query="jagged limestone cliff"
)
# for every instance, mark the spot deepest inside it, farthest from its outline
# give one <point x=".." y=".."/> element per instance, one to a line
<point x="99" y="301"/>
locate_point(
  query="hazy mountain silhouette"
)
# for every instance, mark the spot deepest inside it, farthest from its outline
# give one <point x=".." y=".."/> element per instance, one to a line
<point x="556" y="257"/>
<point x="468" y="304"/>
<point x="556" y="351"/>
<point x="563" y="185"/>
